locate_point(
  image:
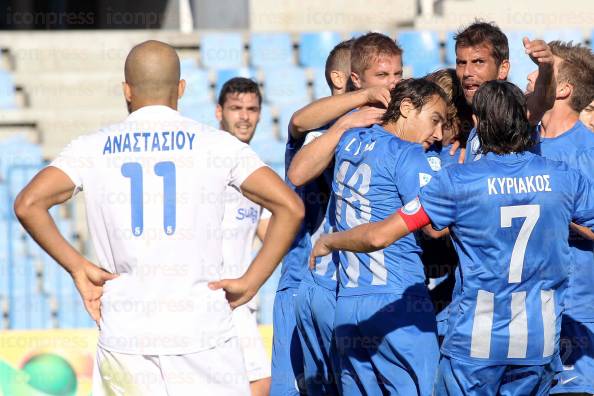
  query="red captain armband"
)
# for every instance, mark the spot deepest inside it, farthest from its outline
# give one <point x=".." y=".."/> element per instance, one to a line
<point x="414" y="215"/>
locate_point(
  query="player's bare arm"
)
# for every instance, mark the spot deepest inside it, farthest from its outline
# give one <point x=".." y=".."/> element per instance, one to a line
<point x="364" y="238"/>
<point x="584" y="232"/>
<point x="52" y="187"/>
<point x="265" y="188"/>
<point x="543" y="96"/>
<point x="262" y="228"/>
<point x="325" y="110"/>
<point x="313" y="158"/>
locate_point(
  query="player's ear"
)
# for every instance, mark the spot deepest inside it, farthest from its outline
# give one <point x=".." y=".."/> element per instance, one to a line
<point x="503" y="70"/>
<point x="356" y="80"/>
<point x="564" y="90"/>
<point x="406" y="106"/>
<point x="181" y="88"/>
<point x="338" y="79"/>
<point x="219" y="113"/>
<point x="127" y="91"/>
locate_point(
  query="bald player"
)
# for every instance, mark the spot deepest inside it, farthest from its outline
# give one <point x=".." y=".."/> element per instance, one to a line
<point x="154" y="187"/>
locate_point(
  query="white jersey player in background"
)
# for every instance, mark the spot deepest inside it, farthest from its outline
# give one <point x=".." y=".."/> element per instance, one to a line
<point x="238" y="112"/>
<point x="153" y="188"/>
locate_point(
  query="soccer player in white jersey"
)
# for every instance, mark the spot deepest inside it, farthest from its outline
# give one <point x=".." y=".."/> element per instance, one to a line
<point x="238" y="112"/>
<point x="154" y="187"/>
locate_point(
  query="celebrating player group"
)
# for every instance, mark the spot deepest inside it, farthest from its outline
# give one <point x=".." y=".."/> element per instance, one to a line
<point x="437" y="234"/>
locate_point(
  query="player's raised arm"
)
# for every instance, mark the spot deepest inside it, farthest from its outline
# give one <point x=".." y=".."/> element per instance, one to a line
<point x="265" y="188"/>
<point x="51" y="187"/>
<point x="543" y="96"/>
<point x="315" y="156"/>
<point x="323" y="111"/>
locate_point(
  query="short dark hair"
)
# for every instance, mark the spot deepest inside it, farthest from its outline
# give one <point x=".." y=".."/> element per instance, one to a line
<point x="238" y="85"/>
<point x="577" y="69"/>
<point x="339" y="59"/>
<point x="368" y="47"/>
<point x="503" y="125"/>
<point x="418" y="90"/>
<point x="484" y="32"/>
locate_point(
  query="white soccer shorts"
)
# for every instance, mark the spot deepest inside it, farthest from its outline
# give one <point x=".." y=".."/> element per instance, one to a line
<point x="257" y="361"/>
<point x="217" y="371"/>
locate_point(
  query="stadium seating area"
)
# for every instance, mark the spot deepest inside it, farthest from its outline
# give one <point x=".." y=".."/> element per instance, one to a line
<point x="34" y="291"/>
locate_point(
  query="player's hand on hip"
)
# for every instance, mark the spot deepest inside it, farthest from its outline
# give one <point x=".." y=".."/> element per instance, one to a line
<point x="379" y="95"/>
<point x="237" y="291"/>
<point x="320" y="249"/>
<point x="89" y="281"/>
<point x="539" y="52"/>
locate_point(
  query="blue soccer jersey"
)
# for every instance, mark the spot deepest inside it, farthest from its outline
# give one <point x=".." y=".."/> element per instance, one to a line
<point x="508" y="216"/>
<point x="375" y="174"/>
<point x="439" y="156"/>
<point x="315" y="197"/>
<point x="473" y="146"/>
<point x="576" y="148"/>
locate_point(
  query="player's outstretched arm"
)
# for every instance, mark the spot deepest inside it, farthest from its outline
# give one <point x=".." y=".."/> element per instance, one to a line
<point x="545" y="86"/>
<point x="323" y="111"/>
<point x="265" y="188"/>
<point x="313" y="158"/>
<point x="51" y="187"/>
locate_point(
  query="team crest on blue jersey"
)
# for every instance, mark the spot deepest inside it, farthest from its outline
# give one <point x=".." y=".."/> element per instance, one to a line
<point x="412" y="207"/>
<point x="424" y="178"/>
<point x="434" y="163"/>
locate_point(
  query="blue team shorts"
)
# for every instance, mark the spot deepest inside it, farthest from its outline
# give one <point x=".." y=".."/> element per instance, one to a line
<point x="287" y="356"/>
<point x="577" y="356"/>
<point x="315" y="310"/>
<point x="387" y="344"/>
<point x="459" y="378"/>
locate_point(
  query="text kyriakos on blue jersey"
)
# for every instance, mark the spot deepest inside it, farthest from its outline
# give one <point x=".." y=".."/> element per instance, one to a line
<point x="135" y="142"/>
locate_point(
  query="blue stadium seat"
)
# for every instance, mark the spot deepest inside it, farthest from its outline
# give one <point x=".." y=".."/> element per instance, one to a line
<point x="315" y="47"/>
<point x="574" y="35"/>
<point x="7" y="91"/>
<point x="320" y="86"/>
<point x="421" y="51"/>
<point x="286" y="112"/>
<point x="271" y="50"/>
<point x="3" y="257"/>
<point x="225" y="75"/>
<point x="197" y="85"/>
<point x="186" y="64"/>
<point x="265" y="128"/>
<point x="222" y="50"/>
<point x="18" y="151"/>
<point x="521" y="65"/>
<point x="4" y="209"/>
<point x="270" y="151"/>
<point x="22" y="276"/>
<point x="419" y="45"/>
<point x="450" y="49"/>
<point x="286" y="85"/>
<point x="203" y="112"/>
<point x="53" y="275"/>
<point x="40" y="316"/>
